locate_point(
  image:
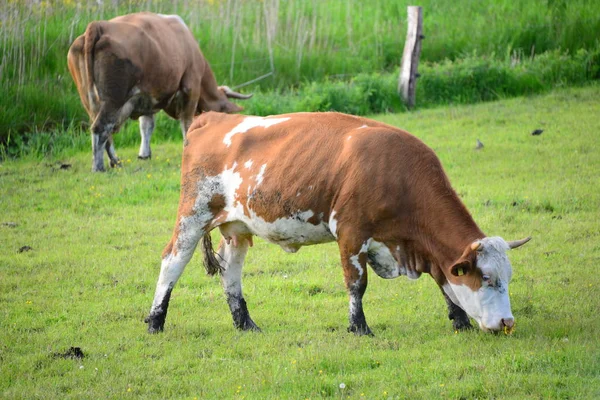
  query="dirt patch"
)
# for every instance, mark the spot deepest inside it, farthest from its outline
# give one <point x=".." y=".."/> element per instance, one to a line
<point x="74" y="353"/>
<point x="24" y="249"/>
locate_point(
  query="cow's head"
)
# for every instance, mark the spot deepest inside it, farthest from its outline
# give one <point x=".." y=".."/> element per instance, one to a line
<point x="479" y="282"/>
<point x="219" y="101"/>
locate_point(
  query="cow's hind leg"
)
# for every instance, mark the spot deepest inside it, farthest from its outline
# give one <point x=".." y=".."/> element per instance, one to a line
<point x="354" y="263"/>
<point x="232" y="256"/>
<point x="176" y="256"/>
<point x="112" y="154"/>
<point x="146" y="129"/>
<point x="460" y="319"/>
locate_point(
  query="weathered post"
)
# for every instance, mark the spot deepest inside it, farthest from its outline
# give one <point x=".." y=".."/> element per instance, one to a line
<point x="410" y="58"/>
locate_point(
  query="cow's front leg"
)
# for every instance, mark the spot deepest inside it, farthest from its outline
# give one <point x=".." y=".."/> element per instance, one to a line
<point x="460" y="319"/>
<point x="354" y="263"/>
<point x="146" y="129"/>
<point x="232" y="254"/>
<point x="176" y="256"/>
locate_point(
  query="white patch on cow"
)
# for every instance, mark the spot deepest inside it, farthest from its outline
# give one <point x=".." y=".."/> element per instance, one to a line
<point x="298" y="193"/>
<point x="354" y="304"/>
<point x="249" y="123"/>
<point x="232" y="261"/>
<point x="355" y="261"/>
<point x="177" y="17"/>
<point x="248" y="164"/>
<point x="333" y="224"/>
<point x="349" y="137"/>
<point x="362" y="127"/>
<point x="490" y="304"/>
<point x="261" y="174"/>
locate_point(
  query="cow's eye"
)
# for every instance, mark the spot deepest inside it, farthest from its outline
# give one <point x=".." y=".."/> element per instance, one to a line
<point x="486" y="278"/>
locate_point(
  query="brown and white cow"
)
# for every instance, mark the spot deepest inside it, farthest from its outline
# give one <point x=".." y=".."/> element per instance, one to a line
<point x="309" y="178"/>
<point x="136" y="65"/>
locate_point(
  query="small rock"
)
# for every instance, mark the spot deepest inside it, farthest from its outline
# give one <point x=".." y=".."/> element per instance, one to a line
<point x="537" y="132"/>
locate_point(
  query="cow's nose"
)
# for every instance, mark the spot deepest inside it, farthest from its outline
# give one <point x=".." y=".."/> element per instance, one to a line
<point x="508" y="322"/>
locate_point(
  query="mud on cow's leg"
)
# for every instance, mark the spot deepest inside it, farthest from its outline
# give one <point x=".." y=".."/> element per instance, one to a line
<point x="232" y="260"/>
<point x="460" y="319"/>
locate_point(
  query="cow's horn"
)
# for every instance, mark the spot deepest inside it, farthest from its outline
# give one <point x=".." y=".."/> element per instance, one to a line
<point x="476" y="245"/>
<point x="234" y="95"/>
<point x="516" y="243"/>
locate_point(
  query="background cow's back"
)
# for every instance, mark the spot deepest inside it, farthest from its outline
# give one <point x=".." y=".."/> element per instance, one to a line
<point x="132" y="66"/>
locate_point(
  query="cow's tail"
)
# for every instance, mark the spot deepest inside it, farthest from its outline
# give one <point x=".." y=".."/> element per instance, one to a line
<point x="211" y="263"/>
<point x="92" y="35"/>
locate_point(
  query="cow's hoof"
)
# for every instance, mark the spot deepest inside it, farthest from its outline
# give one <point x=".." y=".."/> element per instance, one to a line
<point x="98" y="169"/>
<point x="461" y="325"/>
<point x="145" y="157"/>
<point x="248" y="325"/>
<point x="360" y="330"/>
<point x="154" y="325"/>
<point x="116" y="164"/>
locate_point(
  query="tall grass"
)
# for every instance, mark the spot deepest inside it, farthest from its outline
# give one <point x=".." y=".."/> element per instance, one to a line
<point x="294" y="41"/>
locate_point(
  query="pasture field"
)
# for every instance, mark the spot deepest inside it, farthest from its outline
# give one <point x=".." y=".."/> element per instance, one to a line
<point x="96" y="240"/>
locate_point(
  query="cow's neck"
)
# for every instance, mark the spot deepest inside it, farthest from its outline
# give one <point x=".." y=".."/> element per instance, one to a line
<point x="445" y="230"/>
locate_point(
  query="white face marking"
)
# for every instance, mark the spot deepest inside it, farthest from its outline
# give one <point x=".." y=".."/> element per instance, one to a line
<point x="333" y="224"/>
<point x="249" y="123"/>
<point x="248" y="164"/>
<point x="490" y="304"/>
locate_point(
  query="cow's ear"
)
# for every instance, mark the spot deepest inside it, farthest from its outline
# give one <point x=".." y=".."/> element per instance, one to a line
<point x="461" y="268"/>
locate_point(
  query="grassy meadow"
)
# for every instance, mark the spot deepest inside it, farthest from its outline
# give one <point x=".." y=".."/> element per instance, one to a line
<point x="95" y="241"/>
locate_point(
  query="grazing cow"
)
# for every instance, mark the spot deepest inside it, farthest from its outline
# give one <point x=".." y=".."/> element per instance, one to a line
<point x="309" y="178"/>
<point x="136" y="65"/>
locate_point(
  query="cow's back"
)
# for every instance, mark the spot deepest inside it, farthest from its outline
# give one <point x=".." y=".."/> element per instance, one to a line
<point x="316" y="161"/>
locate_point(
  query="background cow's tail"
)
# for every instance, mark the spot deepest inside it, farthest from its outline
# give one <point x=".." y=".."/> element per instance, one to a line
<point x="92" y="35"/>
<point x="211" y="263"/>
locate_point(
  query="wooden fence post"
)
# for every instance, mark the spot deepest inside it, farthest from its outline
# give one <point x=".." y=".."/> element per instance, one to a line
<point x="410" y="58"/>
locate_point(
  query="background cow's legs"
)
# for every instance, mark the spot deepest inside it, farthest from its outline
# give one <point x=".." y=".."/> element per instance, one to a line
<point x="146" y="129"/>
<point x="232" y="259"/>
<point x="175" y="257"/>
<point x="460" y="319"/>
<point x="99" y="143"/>
<point x="112" y="154"/>
<point x="354" y="263"/>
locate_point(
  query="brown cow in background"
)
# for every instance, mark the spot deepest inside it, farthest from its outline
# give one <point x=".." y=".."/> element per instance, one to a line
<point x="136" y="65"/>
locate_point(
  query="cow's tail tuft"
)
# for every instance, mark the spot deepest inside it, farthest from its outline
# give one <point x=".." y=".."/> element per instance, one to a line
<point x="211" y="263"/>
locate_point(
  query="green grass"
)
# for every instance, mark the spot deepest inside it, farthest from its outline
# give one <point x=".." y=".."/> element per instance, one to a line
<point x="97" y="238"/>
